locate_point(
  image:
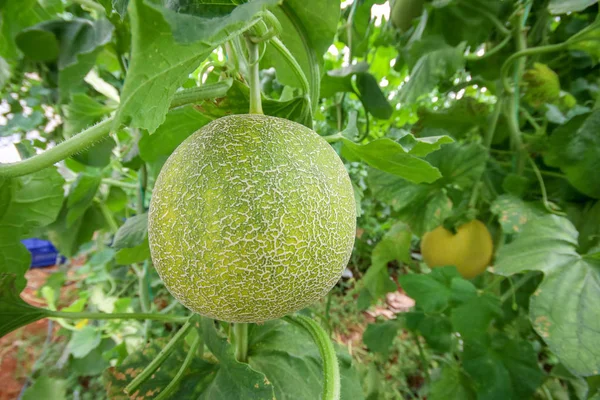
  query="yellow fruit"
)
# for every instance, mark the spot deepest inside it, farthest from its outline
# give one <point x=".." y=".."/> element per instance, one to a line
<point x="469" y="250"/>
<point x="404" y="11"/>
<point x="252" y="218"/>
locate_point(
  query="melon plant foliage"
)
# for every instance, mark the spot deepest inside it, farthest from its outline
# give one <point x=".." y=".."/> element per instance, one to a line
<point x="210" y="245"/>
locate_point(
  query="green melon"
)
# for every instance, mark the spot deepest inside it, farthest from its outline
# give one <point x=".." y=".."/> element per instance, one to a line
<point x="252" y="218"/>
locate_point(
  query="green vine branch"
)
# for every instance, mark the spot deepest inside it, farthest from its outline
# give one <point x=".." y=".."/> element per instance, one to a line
<point x="99" y="132"/>
<point x="331" y="368"/>
<point x="240" y="337"/>
<point x="254" y="78"/>
<point x="107" y="316"/>
<point x="159" y="359"/>
<point x="192" y="353"/>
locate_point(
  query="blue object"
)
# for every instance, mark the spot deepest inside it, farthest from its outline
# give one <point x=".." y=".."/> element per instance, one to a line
<point x="43" y="253"/>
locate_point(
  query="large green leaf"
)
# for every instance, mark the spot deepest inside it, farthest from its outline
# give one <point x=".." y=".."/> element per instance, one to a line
<point x="82" y="112"/>
<point x="425" y="206"/>
<point x="14" y="312"/>
<point x="72" y="44"/>
<point x="238" y="102"/>
<point x="46" y="388"/>
<point x="569" y="6"/>
<point x="389" y="156"/>
<point x="513" y="213"/>
<point x="575" y="149"/>
<point x="429" y="70"/>
<point x="69" y="239"/>
<point x="452" y="384"/>
<point x="395" y="245"/>
<point x="18" y="15"/>
<point x="291" y="362"/>
<point x="167" y="46"/>
<point x="308" y="29"/>
<point x="565" y="309"/>
<point x="131" y="240"/>
<point x="503" y="369"/>
<point x="179" y="124"/>
<point x="81" y="196"/>
<point x="35" y="202"/>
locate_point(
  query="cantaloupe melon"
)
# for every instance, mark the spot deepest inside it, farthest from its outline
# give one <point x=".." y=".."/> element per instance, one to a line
<point x="251" y="218"/>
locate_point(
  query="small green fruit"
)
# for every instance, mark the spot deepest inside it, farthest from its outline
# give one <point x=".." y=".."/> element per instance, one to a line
<point x="252" y="218"/>
<point x="542" y="85"/>
<point x="404" y="11"/>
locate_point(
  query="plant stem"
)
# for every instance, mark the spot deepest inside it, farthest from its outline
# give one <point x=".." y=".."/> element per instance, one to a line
<point x="114" y="182"/>
<point x="540" y="179"/>
<point x="331" y="369"/>
<point x="513" y="112"/>
<point x="254" y="78"/>
<point x="296" y="68"/>
<point x="423" y="358"/>
<point x="499" y="25"/>
<point x="240" y="337"/>
<point x="105" y="316"/>
<point x="523" y="280"/>
<point x="108" y="216"/>
<point x="91" y="4"/>
<point x="98" y="132"/>
<point x="166" y="393"/>
<point x="159" y="359"/>
<point x="490" y="52"/>
<point x="489" y="134"/>
<point x="524" y="53"/>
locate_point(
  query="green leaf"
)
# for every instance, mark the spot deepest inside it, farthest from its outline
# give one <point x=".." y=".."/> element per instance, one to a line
<point x="291" y="362"/>
<point x="199" y="375"/>
<point x="587" y="222"/>
<point x="380" y="336"/>
<point x="4" y="73"/>
<point x="68" y="239"/>
<point x="21" y="123"/>
<point x="569" y="6"/>
<point x="425" y="206"/>
<point x="340" y="80"/>
<point x="82" y="112"/>
<point x="429" y="70"/>
<point x="166" y="47"/>
<point x="18" y="15"/>
<point x="308" y="29"/>
<point x="473" y="317"/>
<point x="133" y="255"/>
<point x="506" y="369"/>
<point x="587" y="40"/>
<point x="389" y="156"/>
<point x="116" y="200"/>
<point x="513" y="213"/>
<point x="94" y="362"/>
<point x="435" y="328"/>
<point x="81" y="196"/>
<point x="84" y="341"/>
<point x="237" y="102"/>
<point x="420" y="147"/>
<point x="35" y="202"/>
<point x="97" y="156"/>
<point x="575" y="149"/>
<point x="46" y="388"/>
<point x="179" y="124"/>
<point x="422" y="207"/>
<point x="14" y="256"/>
<point x="395" y="245"/>
<point x="565" y="309"/>
<point x="14" y="312"/>
<point x="434" y="291"/>
<point x="458" y="120"/>
<point x="372" y="97"/>
<point x="234" y="380"/>
<point x="453" y="384"/>
<point x="72" y="44"/>
<point x="133" y="232"/>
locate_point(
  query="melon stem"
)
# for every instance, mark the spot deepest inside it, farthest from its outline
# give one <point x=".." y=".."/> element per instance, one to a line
<point x="254" y="78"/>
<point x="240" y="337"/>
